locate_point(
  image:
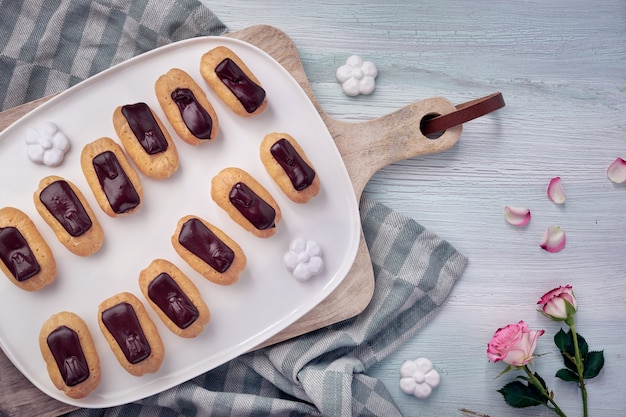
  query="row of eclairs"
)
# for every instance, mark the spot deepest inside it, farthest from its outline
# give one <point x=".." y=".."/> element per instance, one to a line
<point x="65" y="340"/>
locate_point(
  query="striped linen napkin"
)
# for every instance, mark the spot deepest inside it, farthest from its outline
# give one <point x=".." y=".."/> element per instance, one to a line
<point x="47" y="46"/>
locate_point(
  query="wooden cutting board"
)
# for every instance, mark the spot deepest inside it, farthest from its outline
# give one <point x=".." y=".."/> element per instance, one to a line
<point x="365" y="147"/>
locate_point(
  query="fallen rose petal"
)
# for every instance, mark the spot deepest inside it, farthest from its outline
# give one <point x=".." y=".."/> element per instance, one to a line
<point x="617" y="171"/>
<point x="555" y="191"/>
<point x="554" y="239"/>
<point x="517" y="216"/>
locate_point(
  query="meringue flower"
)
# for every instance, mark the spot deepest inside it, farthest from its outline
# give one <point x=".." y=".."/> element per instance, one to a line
<point x="553" y="240"/>
<point x="304" y="259"/>
<point x="617" y="171"/>
<point x="46" y="144"/>
<point x="357" y="76"/>
<point x="555" y="191"/>
<point x="517" y="216"/>
<point x="418" y="377"/>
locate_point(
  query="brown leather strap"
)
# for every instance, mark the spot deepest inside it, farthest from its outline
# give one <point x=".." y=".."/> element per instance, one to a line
<point x="463" y="113"/>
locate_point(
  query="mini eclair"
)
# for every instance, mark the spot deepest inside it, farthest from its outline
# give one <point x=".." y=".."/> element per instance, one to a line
<point x="112" y="179"/>
<point x="186" y="107"/>
<point x="246" y="201"/>
<point x="70" y="354"/>
<point x="233" y="82"/>
<point x="131" y="334"/>
<point x="26" y="258"/>
<point x="174" y="298"/>
<point x="64" y="208"/>
<point x="285" y="161"/>
<point x="208" y="250"/>
<point x="146" y="140"/>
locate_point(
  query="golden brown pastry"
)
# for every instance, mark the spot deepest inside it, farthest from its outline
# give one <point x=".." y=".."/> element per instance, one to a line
<point x="25" y="257"/>
<point x="174" y="298"/>
<point x="114" y="183"/>
<point x="285" y="161"/>
<point x="146" y="140"/>
<point x="186" y="107"/>
<point x="61" y="204"/>
<point x="246" y="201"/>
<point x="233" y="81"/>
<point x="208" y="250"/>
<point x="131" y="334"/>
<point x="70" y="354"/>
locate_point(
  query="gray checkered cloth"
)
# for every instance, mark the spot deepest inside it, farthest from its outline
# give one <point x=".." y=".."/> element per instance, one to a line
<point x="48" y="46"/>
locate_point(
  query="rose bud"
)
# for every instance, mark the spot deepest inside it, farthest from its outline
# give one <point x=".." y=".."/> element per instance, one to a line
<point x="513" y="344"/>
<point x="559" y="304"/>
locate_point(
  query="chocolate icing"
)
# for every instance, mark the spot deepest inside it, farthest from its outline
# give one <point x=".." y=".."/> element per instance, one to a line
<point x="118" y="189"/>
<point x="61" y="201"/>
<point x="145" y="128"/>
<point x="172" y="300"/>
<point x="252" y="207"/>
<point x="68" y="355"/>
<point x="17" y="255"/>
<point x="299" y="172"/>
<point x="249" y="94"/>
<point x="202" y="242"/>
<point x="121" y="320"/>
<point x="196" y="118"/>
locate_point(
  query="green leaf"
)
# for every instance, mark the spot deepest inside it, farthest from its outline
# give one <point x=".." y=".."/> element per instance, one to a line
<point x="518" y="395"/>
<point x="565" y="343"/>
<point x="593" y="364"/>
<point x="562" y="340"/>
<point x="567" y="375"/>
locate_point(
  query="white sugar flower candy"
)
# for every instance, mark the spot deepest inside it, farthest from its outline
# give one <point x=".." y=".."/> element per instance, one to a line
<point x="418" y="377"/>
<point x="357" y="76"/>
<point x="553" y="240"/>
<point x="46" y="144"/>
<point x="517" y="216"/>
<point x="617" y="171"/>
<point x="555" y="191"/>
<point x="304" y="259"/>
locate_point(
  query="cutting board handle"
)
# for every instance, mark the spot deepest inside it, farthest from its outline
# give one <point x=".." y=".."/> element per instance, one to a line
<point x="427" y="126"/>
<point x="368" y="146"/>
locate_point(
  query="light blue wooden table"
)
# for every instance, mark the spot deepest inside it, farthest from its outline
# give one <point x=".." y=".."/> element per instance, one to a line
<point x="561" y="67"/>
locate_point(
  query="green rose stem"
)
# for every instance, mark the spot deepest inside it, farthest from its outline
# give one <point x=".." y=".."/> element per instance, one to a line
<point x="579" y="364"/>
<point x="533" y="380"/>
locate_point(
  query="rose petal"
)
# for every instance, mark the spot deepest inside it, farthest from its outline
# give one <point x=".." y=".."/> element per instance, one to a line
<point x="617" y="171"/>
<point x="517" y="216"/>
<point x="553" y="239"/>
<point x="555" y="191"/>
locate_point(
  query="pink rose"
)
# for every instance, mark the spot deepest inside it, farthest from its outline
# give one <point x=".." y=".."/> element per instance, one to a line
<point x="513" y="344"/>
<point x="559" y="304"/>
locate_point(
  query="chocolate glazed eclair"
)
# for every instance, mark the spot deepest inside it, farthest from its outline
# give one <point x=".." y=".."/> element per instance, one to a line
<point x="186" y="107"/>
<point x="70" y="354"/>
<point x="246" y="201"/>
<point x="233" y="81"/>
<point x="26" y="258"/>
<point x="112" y="179"/>
<point x="64" y="208"/>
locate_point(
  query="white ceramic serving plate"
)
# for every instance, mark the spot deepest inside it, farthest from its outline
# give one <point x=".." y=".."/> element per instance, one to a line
<point x="265" y="300"/>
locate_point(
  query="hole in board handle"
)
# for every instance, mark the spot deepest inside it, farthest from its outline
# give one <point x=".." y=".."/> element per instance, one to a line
<point x="425" y="119"/>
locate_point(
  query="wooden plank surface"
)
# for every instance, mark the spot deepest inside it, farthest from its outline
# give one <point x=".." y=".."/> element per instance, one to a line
<point x="562" y="69"/>
<point x="379" y="142"/>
